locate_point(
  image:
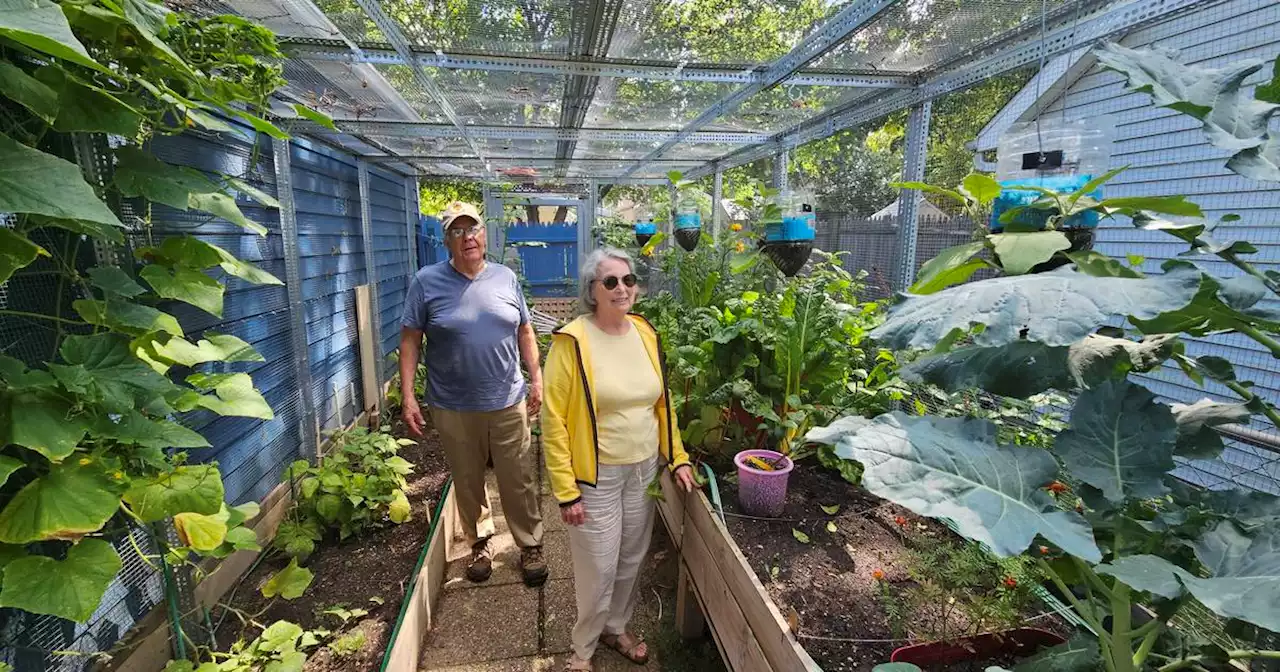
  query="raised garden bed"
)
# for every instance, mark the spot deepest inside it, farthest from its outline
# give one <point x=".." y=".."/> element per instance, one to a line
<point x="773" y="601"/>
<point x="377" y="566"/>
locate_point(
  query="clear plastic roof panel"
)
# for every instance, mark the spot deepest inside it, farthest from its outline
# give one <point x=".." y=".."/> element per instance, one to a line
<point x="543" y="66"/>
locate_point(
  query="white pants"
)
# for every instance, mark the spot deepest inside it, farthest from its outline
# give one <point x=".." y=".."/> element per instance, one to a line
<point x="608" y="551"/>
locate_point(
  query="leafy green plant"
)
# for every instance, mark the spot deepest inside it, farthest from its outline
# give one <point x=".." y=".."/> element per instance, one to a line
<point x="280" y="646"/>
<point x="956" y="590"/>
<point x="1136" y="534"/>
<point x="348" y="644"/>
<point x="95" y="432"/>
<point x="356" y="486"/>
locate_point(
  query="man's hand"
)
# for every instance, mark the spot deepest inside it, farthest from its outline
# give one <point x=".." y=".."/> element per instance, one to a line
<point x="575" y="514"/>
<point x="684" y="476"/>
<point x="535" y="397"/>
<point x="412" y="415"/>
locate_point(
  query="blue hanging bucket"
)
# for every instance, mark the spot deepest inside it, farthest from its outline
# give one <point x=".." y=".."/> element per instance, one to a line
<point x="644" y="232"/>
<point x="688" y="229"/>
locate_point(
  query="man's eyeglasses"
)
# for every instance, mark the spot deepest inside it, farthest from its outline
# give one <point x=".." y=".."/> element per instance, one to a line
<point x="472" y="231"/>
<point x="611" y="282"/>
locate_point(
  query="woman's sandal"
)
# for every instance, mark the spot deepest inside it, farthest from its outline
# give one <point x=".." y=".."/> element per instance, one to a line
<point x="574" y="664"/>
<point x="629" y="652"/>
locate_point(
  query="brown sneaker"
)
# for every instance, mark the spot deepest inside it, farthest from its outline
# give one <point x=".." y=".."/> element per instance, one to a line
<point x="481" y="566"/>
<point x="533" y="567"/>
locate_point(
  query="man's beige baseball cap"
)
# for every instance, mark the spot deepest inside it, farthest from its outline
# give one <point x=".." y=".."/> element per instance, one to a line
<point x="458" y="209"/>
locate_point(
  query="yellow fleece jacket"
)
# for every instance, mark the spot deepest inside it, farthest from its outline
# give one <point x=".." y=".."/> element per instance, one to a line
<point x="569" y="440"/>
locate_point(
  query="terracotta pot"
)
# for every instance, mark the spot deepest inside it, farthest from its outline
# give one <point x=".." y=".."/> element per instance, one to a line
<point x="1020" y="642"/>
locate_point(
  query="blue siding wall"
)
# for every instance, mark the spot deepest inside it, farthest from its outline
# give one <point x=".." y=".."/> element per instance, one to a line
<point x="1167" y="154"/>
<point x="253" y="453"/>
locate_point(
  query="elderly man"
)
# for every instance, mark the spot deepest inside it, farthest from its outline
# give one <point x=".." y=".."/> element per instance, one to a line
<point x="477" y="329"/>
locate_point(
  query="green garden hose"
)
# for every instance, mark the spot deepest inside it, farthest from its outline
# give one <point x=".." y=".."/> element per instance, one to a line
<point x="715" y="492"/>
<point x="413" y="578"/>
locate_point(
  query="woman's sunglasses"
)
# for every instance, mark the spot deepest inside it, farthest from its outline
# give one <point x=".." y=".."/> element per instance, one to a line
<point x="611" y="282"/>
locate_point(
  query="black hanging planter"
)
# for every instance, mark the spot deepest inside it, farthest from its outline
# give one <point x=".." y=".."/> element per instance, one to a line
<point x="788" y="243"/>
<point x="645" y="231"/>
<point x="688" y="229"/>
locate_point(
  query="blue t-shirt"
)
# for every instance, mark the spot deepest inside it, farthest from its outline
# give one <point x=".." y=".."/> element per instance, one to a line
<point x="472" y="350"/>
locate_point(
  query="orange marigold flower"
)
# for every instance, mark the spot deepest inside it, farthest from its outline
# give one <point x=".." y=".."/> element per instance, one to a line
<point x="740" y="247"/>
<point x="1011" y="582"/>
<point x="735" y="227"/>
<point x="902" y="522"/>
<point x="1057" y="486"/>
<point x="877" y="574"/>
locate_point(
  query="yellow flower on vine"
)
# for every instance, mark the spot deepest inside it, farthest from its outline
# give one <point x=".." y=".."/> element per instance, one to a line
<point x="740" y="246"/>
<point x="735" y="227"/>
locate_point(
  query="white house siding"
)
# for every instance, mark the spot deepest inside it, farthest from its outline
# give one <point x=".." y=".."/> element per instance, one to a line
<point x="1167" y="154"/>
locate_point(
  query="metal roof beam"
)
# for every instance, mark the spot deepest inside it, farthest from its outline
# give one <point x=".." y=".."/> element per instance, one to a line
<point x="827" y="36"/>
<point x="1115" y="18"/>
<point x="400" y="129"/>
<point x="531" y="161"/>
<point x="644" y="181"/>
<point x="328" y="50"/>
<point x="391" y="30"/>
<point x="600" y="17"/>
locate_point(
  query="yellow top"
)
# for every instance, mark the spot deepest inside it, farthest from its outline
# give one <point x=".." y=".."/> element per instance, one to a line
<point x="569" y="416"/>
<point x="627" y="390"/>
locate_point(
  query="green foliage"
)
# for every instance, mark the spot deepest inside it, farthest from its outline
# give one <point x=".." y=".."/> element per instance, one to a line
<point x="436" y="195"/>
<point x="1137" y="533"/>
<point x="281" y="647"/>
<point x="348" y="644"/>
<point x="359" y="485"/>
<point x="956" y="589"/>
<point x="95" y="431"/>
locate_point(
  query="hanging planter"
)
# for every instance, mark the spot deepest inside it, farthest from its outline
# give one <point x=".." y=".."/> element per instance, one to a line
<point x="645" y="230"/>
<point x="688" y="229"/>
<point x="789" y="240"/>
<point x="1079" y="229"/>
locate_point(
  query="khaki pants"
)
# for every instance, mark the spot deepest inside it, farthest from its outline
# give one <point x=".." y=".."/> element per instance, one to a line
<point x="470" y="439"/>
<point x="608" y="551"/>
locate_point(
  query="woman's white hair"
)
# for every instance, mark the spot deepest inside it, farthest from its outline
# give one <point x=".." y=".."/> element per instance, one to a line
<point x="590" y="270"/>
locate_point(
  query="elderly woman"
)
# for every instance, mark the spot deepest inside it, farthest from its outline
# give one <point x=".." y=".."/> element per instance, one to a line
<point x="606" y="424"/>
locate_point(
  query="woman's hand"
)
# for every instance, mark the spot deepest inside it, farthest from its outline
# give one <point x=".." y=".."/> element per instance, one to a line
<point x="684" y="476"/>
<point x="575" y="514"/>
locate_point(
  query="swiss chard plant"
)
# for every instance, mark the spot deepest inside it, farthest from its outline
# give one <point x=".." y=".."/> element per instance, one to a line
<point x="356" y="486"/>
<point x="93" y="435"/>
<point x="1127" y="532"/>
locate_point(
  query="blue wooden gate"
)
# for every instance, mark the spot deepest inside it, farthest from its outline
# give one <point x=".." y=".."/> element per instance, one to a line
<point x="548" y="256"/>
<point x="431" y="247"/>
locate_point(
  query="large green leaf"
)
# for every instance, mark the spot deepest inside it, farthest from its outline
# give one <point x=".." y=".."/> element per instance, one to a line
<point x="135" y="428"/>
<point x="1233" y="120"/>
<point x="951" y="468"/>
<point x="114" y="377"/>
<point x="1102" y="266"/>
<point x="186" y="489"/>
<point x="9" y="465"/>
<point x="83" y="108"/>
<point x="1245" y="581"/>
<point x="1056" y="308"/>
<point x="70" y="588"/>
<point x="70" y="501"/>
<point x="1270" y="92"/>
<point x="252" y="192"/>
<point x="1024" y="368"/>
<point x="1249" y="509"/>
<point x="41" y="25"/>
<point x="195" y="253"/>
<point x="28" y="91"/>
<point x="17" y="377"/>
<point x="1018" y="253"/>
<point x="202" y="532"/>
<point x="115" y="281"/>
<point x="234" y="394"/>
<point x="1080" y="654"/>
<point x="982" y="188"/>
<point x="97" y="230"/>
<point x="212" y="348"/>
<point x="126" y="316"/>
<point x="952" y="266"/>
<point x="1196" y="437"/>
<point x="43" y="422"/>
<point x="1219" y="304"/>
<point x="317" y="117"/>
<point x="185" y="285"/>
<point x="34" y="182"/>
<point x="1260" y="163"/>
<point x="289" y="583"/>
<point x="140" y="174"/>
<point x="1120" y="441"/>
<point x="16" y="252"/>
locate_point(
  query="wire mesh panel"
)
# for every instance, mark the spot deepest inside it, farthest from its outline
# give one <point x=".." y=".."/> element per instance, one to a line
<point x="391" y="253"/>
<point x="871" y="245"/>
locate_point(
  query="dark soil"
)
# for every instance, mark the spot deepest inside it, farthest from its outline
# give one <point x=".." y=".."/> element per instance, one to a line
<point x="828" y="586"/>
<point x="375" y="565"/>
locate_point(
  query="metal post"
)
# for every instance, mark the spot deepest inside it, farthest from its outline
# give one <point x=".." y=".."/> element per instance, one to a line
<point x="411" y="219"/>
<point x="717" y="194"/>
<point x="587" y="221"/>
<point x="309" y="430"/>
<point x="492" y="220"/>
<point x="371" y="275"/>
<point x="781" y="166"/>
<point x="909" y="204"/>
<point x="671" y="218"/>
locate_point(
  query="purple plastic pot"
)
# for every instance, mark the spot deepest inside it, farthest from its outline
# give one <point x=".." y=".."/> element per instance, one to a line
<point x="763" y="493"/>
